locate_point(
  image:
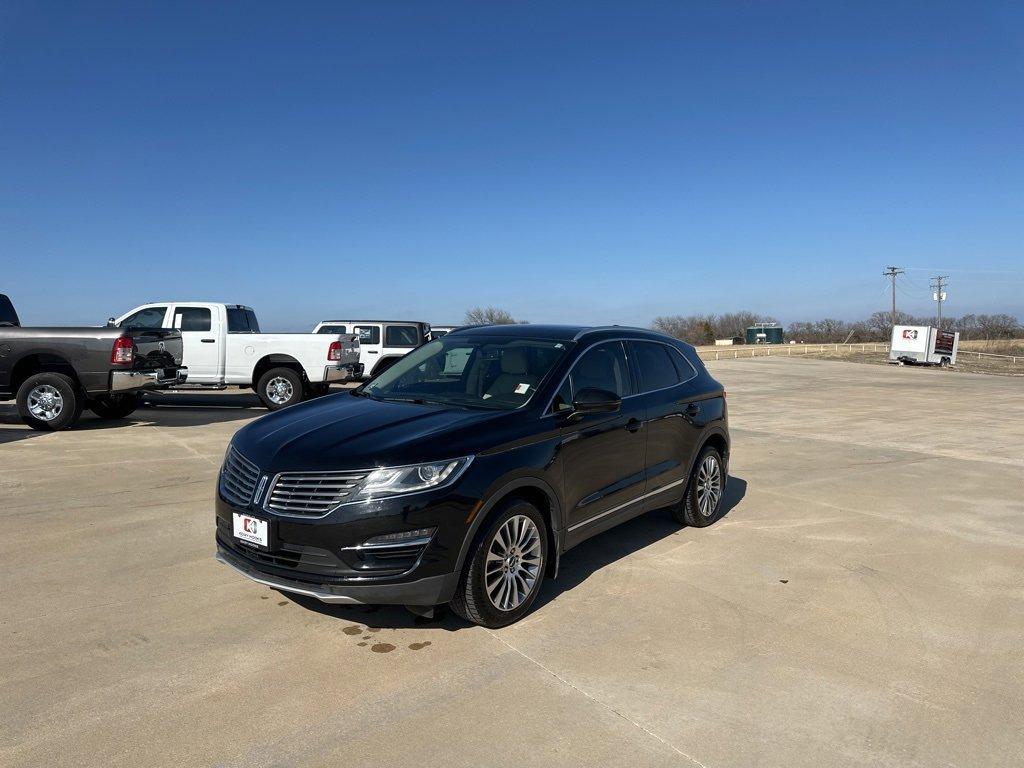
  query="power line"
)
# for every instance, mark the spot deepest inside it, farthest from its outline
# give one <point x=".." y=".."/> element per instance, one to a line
<point x="937" y="285"/>
<point x="892" y="273"/>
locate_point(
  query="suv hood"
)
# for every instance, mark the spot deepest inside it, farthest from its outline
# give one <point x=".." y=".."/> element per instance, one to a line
<point x="347" y="432"/>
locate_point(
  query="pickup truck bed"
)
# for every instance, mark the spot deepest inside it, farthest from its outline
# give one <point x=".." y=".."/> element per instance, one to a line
<point x="224" y="346"/>
<point x="56" y="372"/>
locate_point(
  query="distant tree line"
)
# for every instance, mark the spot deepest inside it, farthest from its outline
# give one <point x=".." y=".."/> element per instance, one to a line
<point x="704" y="329"/>
<point x="490" y="316"/>
<point x="878" y="327"/>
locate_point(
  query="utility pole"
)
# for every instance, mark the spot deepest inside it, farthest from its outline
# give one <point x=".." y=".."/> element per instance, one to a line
<point x="891" y="273"/>
<point x="938" y="294"/>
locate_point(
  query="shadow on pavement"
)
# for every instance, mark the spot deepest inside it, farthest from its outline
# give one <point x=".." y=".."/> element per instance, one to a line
<point x="577" y="565"/>
<point x="156" y="409"/>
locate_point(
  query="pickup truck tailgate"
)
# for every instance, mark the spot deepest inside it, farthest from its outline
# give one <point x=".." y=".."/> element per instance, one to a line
<point x="156" y="348"/>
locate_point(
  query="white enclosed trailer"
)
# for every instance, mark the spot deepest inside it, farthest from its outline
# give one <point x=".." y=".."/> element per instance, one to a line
<point x="923" y="345"/>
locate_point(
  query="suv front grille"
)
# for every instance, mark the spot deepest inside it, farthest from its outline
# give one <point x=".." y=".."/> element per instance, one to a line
<point x="238" y="478"/>
<point x="311" y="494"/>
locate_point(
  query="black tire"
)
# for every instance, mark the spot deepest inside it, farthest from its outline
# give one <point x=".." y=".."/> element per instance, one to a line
<point x="691" y="511"/>
<point x="115" y="406"/>
<point x="280" y="387"/>
<point x="64" y="394"/>
<point x="317" y="390"/>
<point x="471" y="600"/>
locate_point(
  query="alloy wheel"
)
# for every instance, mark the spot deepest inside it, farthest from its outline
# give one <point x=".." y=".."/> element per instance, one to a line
<point x="45" y="402"/>
<point x="279" y="390"/>
<point x="513" y="563"/>
<point x="709" y="486"/>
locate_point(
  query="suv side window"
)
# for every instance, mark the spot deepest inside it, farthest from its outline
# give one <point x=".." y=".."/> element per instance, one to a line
<point x="602" y="367"/>
<point x="401" y="336"/>
<point x="563" y="397"/>
<point x="192" y="318"/>
<point x="684" y="367"/>
<point x="150" y="317"/>
<point x="368" y="334"/>
<point x="657" y="370"/>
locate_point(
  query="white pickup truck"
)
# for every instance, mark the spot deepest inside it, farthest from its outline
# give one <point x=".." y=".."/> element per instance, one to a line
<point x="223" y="346"/>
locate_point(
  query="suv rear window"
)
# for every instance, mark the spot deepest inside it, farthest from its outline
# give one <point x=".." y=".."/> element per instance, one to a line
<point x="402" y="336"/>
<point x="657" y="370"/>
<point x="332" y="329"/>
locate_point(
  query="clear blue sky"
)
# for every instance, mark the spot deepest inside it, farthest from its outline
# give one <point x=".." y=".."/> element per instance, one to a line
<point x="592" y="162"/>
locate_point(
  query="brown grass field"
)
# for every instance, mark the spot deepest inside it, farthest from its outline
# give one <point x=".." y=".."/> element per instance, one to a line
<point x="968" y="361"/>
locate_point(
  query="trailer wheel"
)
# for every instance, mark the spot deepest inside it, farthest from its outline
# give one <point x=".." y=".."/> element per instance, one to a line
<point x="49" y="401"/>
<point x="280" y="387"/>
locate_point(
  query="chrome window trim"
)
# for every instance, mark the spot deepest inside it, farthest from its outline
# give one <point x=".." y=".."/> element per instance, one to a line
<point x="547" y="409"/>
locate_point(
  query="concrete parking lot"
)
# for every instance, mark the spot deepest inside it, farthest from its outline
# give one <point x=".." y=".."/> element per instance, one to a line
<point x="862" y="603"/>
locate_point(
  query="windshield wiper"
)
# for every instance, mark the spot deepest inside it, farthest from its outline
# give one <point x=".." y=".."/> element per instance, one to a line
<point x="414" y="400"/>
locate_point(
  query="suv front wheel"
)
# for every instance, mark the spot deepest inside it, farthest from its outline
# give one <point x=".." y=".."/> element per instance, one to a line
<point x="506" y="567"/>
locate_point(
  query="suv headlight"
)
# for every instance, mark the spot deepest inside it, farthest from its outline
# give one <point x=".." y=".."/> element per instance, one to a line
<point x="395" y="481"/>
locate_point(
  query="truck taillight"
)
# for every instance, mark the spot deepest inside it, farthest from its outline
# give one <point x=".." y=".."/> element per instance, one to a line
<point x="123" y="351"/>
<point x="334" y="351"/>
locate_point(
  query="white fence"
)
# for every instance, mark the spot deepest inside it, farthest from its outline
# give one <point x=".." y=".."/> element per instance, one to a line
<point x="786" y="350"/>
<point x="797" y="350"/>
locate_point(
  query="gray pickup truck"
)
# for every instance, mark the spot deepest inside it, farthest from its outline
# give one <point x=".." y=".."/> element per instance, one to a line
<point x="54" y="373"/>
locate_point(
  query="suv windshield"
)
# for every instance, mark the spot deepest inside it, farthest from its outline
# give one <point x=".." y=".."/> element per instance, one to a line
<point x="470" y="371"/>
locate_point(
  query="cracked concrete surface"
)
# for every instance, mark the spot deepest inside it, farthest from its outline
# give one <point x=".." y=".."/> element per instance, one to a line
<point x="861" y="604"/>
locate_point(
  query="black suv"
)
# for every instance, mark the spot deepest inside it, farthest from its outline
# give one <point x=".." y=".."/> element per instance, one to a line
<point x="461" y="474"/>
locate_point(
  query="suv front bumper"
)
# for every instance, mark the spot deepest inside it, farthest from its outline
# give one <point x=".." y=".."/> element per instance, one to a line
<point x="431" y="590"/>
<point x="128" y="381"/>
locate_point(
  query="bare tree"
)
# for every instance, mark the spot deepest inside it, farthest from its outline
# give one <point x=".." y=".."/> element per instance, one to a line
<point x="490" y="316"/>
<point x="704" y="329"/>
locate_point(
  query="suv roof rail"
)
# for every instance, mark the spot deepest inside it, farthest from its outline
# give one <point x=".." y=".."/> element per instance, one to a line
<point x="617" y="327"/>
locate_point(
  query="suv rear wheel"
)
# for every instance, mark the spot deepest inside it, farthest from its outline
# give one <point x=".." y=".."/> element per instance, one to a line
<point x="49" y="401"/>
<point x="506" y="568"/>
<point x="702" y="504"/>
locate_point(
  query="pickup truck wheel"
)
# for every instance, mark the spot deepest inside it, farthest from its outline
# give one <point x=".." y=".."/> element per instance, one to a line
<point x="280" y="387"/>
<point x="115" y="406"/>
<point x="49" y="401"/>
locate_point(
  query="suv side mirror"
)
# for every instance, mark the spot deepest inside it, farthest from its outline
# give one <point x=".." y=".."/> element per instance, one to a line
<point x="596" y="401"/>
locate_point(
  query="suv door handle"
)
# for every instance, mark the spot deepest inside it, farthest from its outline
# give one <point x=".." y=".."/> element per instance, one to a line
<point x="692" y="409"/>
<point x="208" y="341"/>
<point x="633" y="425"/>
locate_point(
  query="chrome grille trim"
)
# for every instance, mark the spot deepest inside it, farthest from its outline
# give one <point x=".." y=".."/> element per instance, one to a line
<point x="238" y="478"/>
<point x="311" y="494"/>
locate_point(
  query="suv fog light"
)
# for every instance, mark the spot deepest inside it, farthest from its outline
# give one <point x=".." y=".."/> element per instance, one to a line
<point x="418" y="536"/>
